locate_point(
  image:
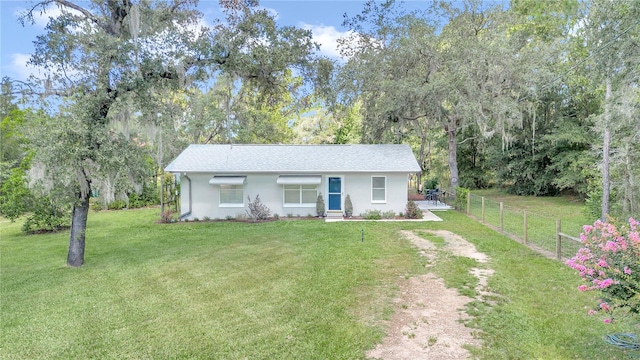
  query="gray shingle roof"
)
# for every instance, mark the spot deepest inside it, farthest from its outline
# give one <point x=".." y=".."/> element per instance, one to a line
<point x="295" y="159"/>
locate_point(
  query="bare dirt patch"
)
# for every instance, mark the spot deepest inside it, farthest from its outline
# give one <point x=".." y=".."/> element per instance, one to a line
<point x="427" y="323"/>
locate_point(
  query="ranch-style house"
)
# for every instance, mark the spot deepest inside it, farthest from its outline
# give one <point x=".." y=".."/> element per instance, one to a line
<point x="217" y="180"/>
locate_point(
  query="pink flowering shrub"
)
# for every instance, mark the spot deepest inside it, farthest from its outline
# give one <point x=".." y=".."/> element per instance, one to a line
<point x="609" y="261"/>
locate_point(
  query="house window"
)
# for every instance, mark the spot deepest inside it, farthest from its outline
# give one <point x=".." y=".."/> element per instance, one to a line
<point x="231" y="195"/>
<point x="300" y="195"/>
<point x="378" y="189"/>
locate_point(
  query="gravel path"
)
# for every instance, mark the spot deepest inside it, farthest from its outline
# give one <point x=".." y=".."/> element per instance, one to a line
<point x="427" y="323"/>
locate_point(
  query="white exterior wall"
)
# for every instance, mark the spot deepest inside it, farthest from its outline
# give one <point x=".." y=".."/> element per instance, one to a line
<point x="358" y="187"/>
<point x="205" y="198"/>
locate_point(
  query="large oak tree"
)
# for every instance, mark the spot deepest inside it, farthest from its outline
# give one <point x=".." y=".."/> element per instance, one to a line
<point x="101" y="58"/>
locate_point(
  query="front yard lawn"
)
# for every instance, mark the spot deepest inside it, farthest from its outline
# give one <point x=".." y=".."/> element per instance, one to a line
<point x="281" y="289"/>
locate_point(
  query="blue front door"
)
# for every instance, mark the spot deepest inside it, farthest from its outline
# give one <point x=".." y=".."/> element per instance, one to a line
<point x="335" y="193"/>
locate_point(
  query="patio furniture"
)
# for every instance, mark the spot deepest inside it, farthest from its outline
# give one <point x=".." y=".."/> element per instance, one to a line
<point x="433" y="195"/>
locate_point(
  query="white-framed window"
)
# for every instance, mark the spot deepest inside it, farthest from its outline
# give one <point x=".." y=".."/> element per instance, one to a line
<point x="378" y="189"/>
<point x="232" y="195"/>
<point x="300" y="195"/>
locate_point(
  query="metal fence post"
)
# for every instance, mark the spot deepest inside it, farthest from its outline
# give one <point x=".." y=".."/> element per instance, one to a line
<point x="468" y="202"/>
<point x="483" y="209"/>
<point x="558" y="239"/>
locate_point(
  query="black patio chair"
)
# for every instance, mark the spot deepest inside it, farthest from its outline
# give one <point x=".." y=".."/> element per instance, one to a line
<point x="433" y="195"/>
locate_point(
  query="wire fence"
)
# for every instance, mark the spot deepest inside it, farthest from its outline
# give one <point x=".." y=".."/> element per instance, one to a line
<point x="551" y="236"/>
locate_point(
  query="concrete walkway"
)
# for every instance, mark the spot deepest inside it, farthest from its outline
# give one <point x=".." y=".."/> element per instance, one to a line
<point x="432" y="206"/>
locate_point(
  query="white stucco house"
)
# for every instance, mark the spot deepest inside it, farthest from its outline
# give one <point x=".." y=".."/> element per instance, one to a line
<point x="217" y="179"/>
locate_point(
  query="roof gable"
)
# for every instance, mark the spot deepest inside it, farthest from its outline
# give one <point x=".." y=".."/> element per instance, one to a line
<point x="295" y="159"/>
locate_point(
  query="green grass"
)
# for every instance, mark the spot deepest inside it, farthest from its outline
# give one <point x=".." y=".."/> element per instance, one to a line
<point x="542" y="213"/>
<point x="455" y="270"/>
<point x="539" y="312"/>
<point x="436" y="240"/>
<point x="286" y="289"/>
<point x="293" y="289"/>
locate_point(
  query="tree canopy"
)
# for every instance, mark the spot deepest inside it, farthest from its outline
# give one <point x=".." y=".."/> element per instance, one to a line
<point x="109" y="64"/>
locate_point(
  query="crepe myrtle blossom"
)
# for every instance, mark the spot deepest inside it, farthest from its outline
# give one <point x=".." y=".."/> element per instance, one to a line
<point x="609" y="262"/>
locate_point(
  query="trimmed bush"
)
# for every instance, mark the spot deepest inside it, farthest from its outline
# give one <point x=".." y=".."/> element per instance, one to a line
<point x="117" y="205"/>
<point x="413" y="211"/>
<point x="372" y="215"/>
<point x="348" y="206"/>
<point x="389" y="214"/>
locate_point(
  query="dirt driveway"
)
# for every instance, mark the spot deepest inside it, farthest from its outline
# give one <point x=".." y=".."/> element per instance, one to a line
<point x="427" y="323"/>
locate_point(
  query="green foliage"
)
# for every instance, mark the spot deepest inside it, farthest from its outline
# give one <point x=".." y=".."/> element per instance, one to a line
<point x="12" y="139"/>
<point x="593" y="202"/>
<point x="524" y="173"/>
<point x="431" y="183"/>
<point x="95" y="205"/>
<point x="336" y="125"/>
<point x="148" y="197"/>
<point x="389" y="214"/>
<point x="412" y="210"/>
<point x="15" y="196"/>
<point x="460" y="201"/>
<point x="546" y="21"/>
<point x="348" y="126"/>
<point x="46" y="216"/>
<point x="118" y="83"/>
<point x="476" y="171"/>
<point x="372" y="215"/>
<point x="117" y="205"/>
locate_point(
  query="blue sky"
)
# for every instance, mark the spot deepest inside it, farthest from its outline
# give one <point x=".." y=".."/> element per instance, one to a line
<point x="323" y="17"/>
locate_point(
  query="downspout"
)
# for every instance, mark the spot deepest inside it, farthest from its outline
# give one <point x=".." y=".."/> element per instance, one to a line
<point x="182" y="216"/>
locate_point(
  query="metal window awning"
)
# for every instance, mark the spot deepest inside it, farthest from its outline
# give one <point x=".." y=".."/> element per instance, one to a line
<point x="227" y="180"/>
<point x="299" y="180"/>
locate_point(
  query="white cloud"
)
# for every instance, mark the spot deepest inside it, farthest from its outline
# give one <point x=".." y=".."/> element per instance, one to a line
<point x="19" y="67"/>
<point x="327" y="37"/>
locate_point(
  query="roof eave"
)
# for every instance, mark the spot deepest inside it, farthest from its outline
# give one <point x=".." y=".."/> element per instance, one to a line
<point x="289" y="171"/>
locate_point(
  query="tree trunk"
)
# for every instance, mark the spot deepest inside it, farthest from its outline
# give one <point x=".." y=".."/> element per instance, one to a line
<point x="453" y="155"/>
<point x="606" y="143"/>
<point x="75" y="257"/>
<point x="422" y="155"/>
<point x="627" y="183"/>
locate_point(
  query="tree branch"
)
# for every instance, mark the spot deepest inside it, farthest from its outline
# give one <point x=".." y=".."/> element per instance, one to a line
<point x="87" y="14"/>
<point x="412" y="118"/>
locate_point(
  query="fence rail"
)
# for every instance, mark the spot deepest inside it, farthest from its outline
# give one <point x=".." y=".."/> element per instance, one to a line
<point x="542" y="233"/>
